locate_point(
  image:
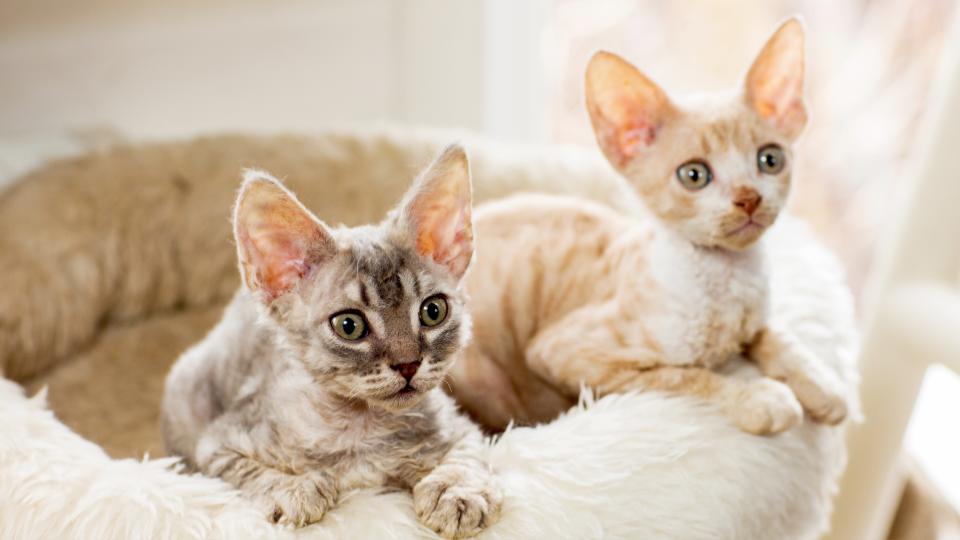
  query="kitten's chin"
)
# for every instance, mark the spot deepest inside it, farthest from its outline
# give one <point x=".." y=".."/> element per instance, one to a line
<point x="398" y="401"/>
<point x="742" y="236"/>
<point x="743" y="239"/>
<point x="728" y="244"/>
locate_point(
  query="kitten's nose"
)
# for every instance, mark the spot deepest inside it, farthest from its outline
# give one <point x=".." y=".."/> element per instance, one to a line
<point x="407" y="370"/>
<point x="746" y="199"/>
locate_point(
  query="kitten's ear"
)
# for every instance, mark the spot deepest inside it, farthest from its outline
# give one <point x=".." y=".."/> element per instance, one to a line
<point x="278" y="240"/>
<point x="626" y="108"/>
<point x="437" y="212"/>
<point x="774" y="85"/>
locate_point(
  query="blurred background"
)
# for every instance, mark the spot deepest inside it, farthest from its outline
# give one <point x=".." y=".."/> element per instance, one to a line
<point x="77" y="75"/>
<point x="89" y="72"/>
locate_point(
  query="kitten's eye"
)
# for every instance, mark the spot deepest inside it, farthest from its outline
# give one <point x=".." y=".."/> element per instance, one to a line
<point x="433" y="310"/>
<point x="694" y="175"/>
<point x="349" y="325"/>
<point x="771" y="159"/>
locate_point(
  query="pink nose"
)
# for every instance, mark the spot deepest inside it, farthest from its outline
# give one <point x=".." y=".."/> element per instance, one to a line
<point x="747" y="199"/>
<point x="408" y="370"/>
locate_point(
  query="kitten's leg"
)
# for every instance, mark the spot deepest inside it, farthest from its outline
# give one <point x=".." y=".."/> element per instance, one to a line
<point x="781" y="357"/>
<point x="190" y="400"/>
<point x="461" y="496"/>
<point x="760" y="406"/>
<point x="588" y="347"/>
<point x="285" y="497"/>
<point x="495" y="395"/>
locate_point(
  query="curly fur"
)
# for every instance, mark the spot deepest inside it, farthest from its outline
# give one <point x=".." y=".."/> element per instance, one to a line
<point x="633" y="466"/>
<point x="274" y="401"/>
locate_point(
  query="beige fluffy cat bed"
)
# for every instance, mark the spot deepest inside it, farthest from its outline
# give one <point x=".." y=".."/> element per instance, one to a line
<point x="115" y="262"/>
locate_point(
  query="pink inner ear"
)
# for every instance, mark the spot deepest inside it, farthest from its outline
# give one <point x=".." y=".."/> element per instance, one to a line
<point x="444" y="234"/>
<point x="779" y="91"/>
<point x="277" y="259"/>
<point x="625" y="139"/>
<point x="782" y="109"/>
<point x="626" y="108"/>
<point x="448" y="242"/>
<point x="775" y="81"/>
<point x="632" y="136"/>
<point x="277" y="239"/>
<point x="437" y="212"/>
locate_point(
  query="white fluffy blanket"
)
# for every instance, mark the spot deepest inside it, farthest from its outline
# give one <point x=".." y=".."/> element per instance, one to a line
<point x="643" y="466"/>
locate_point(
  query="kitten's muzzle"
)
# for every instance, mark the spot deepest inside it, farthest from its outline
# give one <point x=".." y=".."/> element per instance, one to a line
<point x="747" y="199"/>
<point x="406" y="370"/>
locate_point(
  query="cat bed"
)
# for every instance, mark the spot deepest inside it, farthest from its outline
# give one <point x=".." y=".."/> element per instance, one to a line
<point x="644" y="465"/>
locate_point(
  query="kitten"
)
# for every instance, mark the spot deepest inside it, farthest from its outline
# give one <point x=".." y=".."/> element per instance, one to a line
<point x="323" y="375"/>
<point x="568" y="291"/>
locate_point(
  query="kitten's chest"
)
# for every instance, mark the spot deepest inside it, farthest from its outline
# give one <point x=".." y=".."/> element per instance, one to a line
<point x="713" y="303"/>
<point x="368" y="449"/>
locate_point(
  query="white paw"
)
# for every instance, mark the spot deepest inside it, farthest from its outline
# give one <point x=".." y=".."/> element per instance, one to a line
<point x="457" y="502"/>
<point x="767" y="407"/>
<point x="297" y="500"/>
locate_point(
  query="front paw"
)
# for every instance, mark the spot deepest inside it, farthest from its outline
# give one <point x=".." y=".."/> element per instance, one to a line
<point x="457" y="502"/>
<point x="296" y="500"/>
<point x="821" y="400"/>
<point x="766" y="407"/>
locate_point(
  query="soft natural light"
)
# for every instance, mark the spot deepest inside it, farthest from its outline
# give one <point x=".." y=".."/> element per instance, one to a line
<point x="934" y="436"/>
<point x="125" y="126"/>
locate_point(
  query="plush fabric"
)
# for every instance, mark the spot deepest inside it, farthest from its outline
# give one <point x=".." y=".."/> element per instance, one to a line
<point x="124" y="233"/>
<point x="645" y="466"/>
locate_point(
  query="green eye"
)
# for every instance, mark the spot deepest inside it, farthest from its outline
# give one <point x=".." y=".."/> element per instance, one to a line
<point x="349" y="325"/>
<point x="433" y="310"/>
<point x="694" y="175"/>
<point x="771" y="159"/>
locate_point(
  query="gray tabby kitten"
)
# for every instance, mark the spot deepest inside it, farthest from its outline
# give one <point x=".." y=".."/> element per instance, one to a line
<point x="323" y="375"/>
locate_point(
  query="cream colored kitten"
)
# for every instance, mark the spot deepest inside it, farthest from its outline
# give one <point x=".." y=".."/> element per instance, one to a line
<point x="566" y="292"/>
<point x="322" y="376"/>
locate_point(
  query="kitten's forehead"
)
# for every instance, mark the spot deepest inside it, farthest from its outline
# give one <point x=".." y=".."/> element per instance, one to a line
<point x="381" y="269"/>
<point x="709" y="131"/>
<point x="724" y="134"/>
<point x="376" y="268"/>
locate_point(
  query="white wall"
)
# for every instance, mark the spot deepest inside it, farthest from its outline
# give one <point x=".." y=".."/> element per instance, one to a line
<point x="153" y="68"/>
